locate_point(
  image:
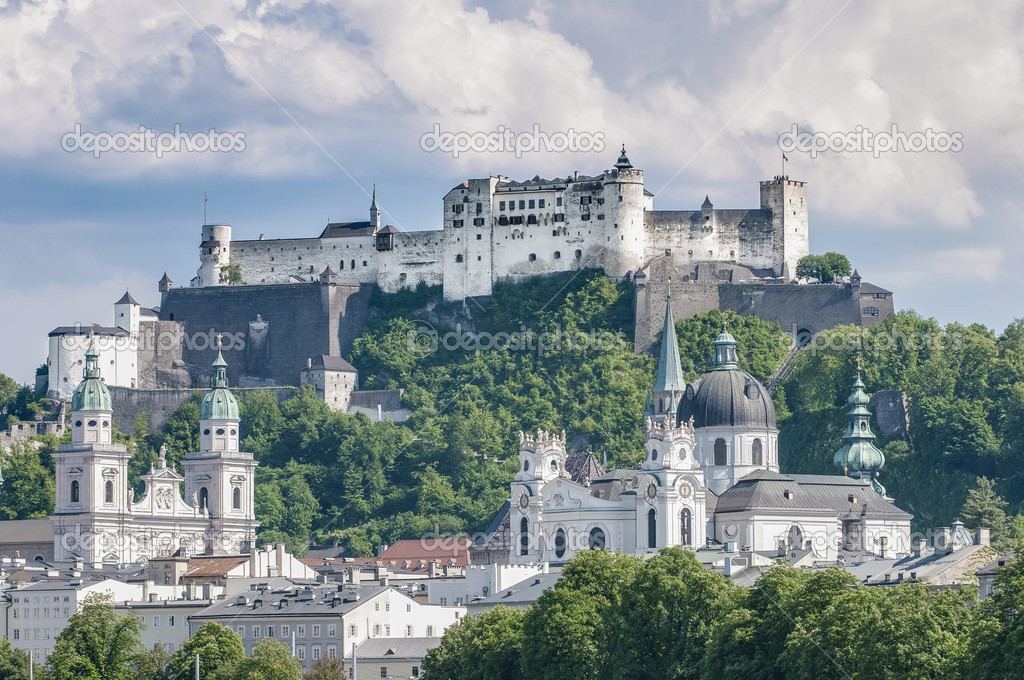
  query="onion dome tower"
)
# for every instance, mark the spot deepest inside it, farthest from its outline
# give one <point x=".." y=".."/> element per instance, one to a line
<point x="623" y="162"/>
<point x="90" y="404"/>
<point x="860" y="458"/>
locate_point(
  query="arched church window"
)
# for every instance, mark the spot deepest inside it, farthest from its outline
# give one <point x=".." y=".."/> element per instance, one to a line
<point x="686" y="524"/>
<point x="74" y="491"/>
<point x="524" y="537"/>
<point x="554" y="465"/>
<point x="756" y="452"/>
<point x="652" y="529"/>
<point x="236" y="499"/>
<point x="560" y="544"/>
<point x="204" y="498"/>
<point x="108" y="494"/>
<point x="597" y="539"/>
<point x="720" y="452"/>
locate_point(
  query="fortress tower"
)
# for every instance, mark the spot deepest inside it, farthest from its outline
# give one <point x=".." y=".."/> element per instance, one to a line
<point x="786" y="199"/>
<point x="214" y="253"/>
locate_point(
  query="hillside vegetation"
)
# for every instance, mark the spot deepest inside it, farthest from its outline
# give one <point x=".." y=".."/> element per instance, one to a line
<point x="557" y="353"/>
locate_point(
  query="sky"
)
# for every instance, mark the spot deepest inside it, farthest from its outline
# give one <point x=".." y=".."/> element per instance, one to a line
<point x="334" y="96"/>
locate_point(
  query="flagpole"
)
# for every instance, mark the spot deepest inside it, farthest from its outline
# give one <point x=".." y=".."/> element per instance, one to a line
<point x="204" y="208"/>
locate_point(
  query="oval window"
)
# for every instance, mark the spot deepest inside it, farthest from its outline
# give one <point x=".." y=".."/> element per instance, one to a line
<point x="92" y="423"/>
<point x="220" y="430"/>
<point x="106" y="423"/>
<point x="233" y="432"/>
<point x="554" y="465"/>
<point x="207" y="431"/>
<point x="654" y="454"/>
<point x="78" y="423"/>
<point x="526" y="466"/>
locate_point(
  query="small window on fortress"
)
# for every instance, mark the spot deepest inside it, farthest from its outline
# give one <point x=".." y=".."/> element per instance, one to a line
<point x="870" y="311"/>
<point x="458" y="258"/>
<point x="558" y="201"/>
<point x="501" y="205"/>
<point x="342" y="264"/>
<point x="353" y="264"/>
<point x="522" y="205"/>
<point x="558" y="255"/>
<point x="540" y="203"/>
<point x="579" y="254"/>
<point x="533" y="257"/>
<point x="364" y="263"/>
<point x="533" y="204"/>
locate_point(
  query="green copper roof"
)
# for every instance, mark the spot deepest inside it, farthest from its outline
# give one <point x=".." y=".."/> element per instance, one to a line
<point x="219" y="403"/>
<point x="670" y="369"/>
<point x="623" y="162"/>
<point x="725" y="352"/>
<point x="91" y="394"/>
<point x="859" y="457"/>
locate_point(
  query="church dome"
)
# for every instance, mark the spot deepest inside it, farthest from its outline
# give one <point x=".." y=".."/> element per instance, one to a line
<point x="91" y="394"/>
<point x="728" y="396"/>
<point x="219" y="403"/>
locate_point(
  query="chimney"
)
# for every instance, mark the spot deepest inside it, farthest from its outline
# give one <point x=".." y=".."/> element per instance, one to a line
<point x="983" y="536"/>
<point x="943" y="540"/>
<point x="727" y="570"/>
<point x="919" y="544"/>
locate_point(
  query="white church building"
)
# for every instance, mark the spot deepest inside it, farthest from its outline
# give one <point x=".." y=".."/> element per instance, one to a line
<point x="97" y="518"/>
<point x="710" y="476"/>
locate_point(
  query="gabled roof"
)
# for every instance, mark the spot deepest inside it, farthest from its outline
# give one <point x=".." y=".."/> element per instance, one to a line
<point x="870" y="288"/>
<point x="329" y="363"/>
<point x="127" y="299"/>
<point x="347" y="229"/>
<point x="410" y="553"/>
<point x="388" y="229"/>
<point x="217" y="566"/>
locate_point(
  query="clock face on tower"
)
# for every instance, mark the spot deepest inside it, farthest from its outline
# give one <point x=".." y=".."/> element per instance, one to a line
<point x="524" y="501"/>
<point x="652" y="491"/>
<point x="685" y="490"/>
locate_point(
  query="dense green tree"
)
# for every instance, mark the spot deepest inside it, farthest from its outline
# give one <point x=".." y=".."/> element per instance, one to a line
<point x="985" y="508"/>
<point x="219" y="648"/>
<point x="997" y="636"/>
<point x="152" y="664"/>
<point x="270" y="660"/>
<point x="485" y="647"/>
<point x="97" y="644"/>
<point x="326" y="669"/>
<point x="286" y="506"/>
<point x="14" y="663"/>
<point x="825" y="268"/>
<point x="28" y="490"/>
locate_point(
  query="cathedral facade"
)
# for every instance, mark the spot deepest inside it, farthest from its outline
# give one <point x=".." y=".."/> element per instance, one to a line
<point x="710" y="477"/>
<point x="98" y="519"/>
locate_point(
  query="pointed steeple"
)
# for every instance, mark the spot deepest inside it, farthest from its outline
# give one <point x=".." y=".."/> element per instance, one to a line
<point x="707" y="202"/>
<point x="860" y="458"/>
<point x="374" y="210"/>
<point x="373" y="202"/>
<point x="623" y="162"/>
<point x="670" y="369"/>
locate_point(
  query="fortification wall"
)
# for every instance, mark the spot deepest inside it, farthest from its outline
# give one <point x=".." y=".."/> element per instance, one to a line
<point x="159" y="405"/>
<point x="302" y="320"/>
<point x="414" y="257"/>
<point x="800" y="310"/>
<point x="279" y="260"/>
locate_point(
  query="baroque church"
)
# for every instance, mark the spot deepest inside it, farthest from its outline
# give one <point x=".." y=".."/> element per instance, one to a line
<point x="98" y="519"/>
<point x="710" y="477"/>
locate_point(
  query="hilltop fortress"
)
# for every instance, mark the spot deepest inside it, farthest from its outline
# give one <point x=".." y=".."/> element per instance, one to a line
<point x="496" y="229"/>
<point x="304" y="301"/>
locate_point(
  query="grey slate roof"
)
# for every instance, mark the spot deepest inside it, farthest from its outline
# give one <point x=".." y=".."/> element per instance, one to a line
<point x="728" y="398"/>
<point x="84" y="330"/>
<point x="611" y="485"/>
<point x="396" y="648"/>
<point x="583" y="467"/>
<point x="992" y="568"/>
<point x="764" y="491"/>
<point x="289" y="602"/>
<point x="870" y="288"/>
<point x="524" y="593"/>
<point x="126" y="299"/>
<point x="330" y="363"/>
<point x="347" y="229"/>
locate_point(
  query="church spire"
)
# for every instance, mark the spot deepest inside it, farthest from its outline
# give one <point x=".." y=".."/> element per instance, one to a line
<point x="670" y="369"/>
<point x="860" y="458"/>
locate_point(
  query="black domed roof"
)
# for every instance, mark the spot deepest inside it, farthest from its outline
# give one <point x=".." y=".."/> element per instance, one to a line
<point x="728" y="398"/>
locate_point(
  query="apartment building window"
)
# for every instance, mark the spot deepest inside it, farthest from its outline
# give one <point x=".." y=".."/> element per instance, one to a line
<point x="384" y="672"/>
<point x="241" y="631"/>
<point x="300" y="630"/>
<point x="17" y="634"/>
<point x="301" y="653"/>
<point x="376" y="630"/>
<point x="270" y="631"/>
<point x="352" y="630"/>
<point x="285" y="630"/>
<point x="408" y="607"/>
<point x="332" y="652"/>
<point x="387" y="630"/>
<point x="387" y="606"/>
<point x="255" y="631"/>
<point x="156" y="621"/>
<point x="332" y="630"/>
<point x="170" y="621"/>
<point x="408" y="631"/>
<point x="430" y="631"/>
<point x="415" y="671"/>
<point x="316" y="630"/>
<point x="316" y="652"/>
<point x="376" y="606"/>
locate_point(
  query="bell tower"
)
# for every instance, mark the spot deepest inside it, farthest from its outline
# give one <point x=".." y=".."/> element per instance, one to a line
<point x="219" y="479"/>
